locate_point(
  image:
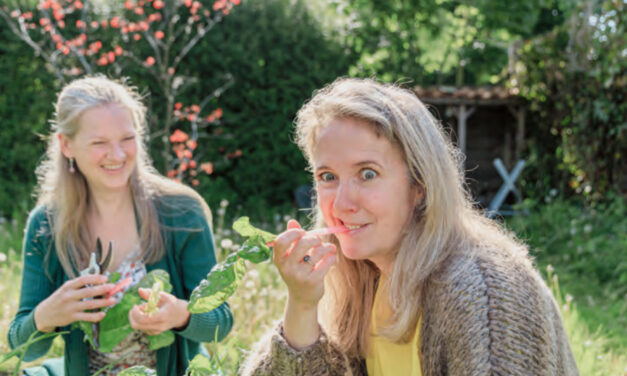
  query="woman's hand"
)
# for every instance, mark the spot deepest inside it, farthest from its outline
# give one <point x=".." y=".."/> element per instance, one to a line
<point x="304" y="280"/>
<point x="172" y="314"/>
<point x="67" y="305"/>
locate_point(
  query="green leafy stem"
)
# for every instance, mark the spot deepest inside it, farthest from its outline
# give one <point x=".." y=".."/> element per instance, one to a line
<point x="223" y="279"/>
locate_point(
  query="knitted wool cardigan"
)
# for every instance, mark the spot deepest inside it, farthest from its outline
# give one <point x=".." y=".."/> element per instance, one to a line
<point x="491" y="314"/>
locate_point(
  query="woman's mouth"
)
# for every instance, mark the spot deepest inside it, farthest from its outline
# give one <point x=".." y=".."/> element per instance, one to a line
<point x="354" y="229"/>
<point x="113" y="168"/>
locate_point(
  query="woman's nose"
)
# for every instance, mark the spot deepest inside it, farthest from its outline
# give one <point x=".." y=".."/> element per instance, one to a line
<point x="117" y="152"/>
<point x="345" y="197"/>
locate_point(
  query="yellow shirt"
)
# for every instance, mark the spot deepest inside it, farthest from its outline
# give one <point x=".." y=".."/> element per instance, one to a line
<point x="388" y="358"/>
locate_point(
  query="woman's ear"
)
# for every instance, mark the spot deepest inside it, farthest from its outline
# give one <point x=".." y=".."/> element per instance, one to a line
<point x="419" y="194"/>
<point x="64" y="142"/>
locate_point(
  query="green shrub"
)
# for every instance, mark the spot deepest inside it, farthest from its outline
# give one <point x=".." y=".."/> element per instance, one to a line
<point x="277" y="55"/>
<point x="574" y="78"/>
<point x="25" y="105"/>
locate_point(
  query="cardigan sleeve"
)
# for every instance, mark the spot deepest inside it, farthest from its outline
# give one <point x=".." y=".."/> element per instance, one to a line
<point x="196" y="257"/>
<point x="495" y="316"/>
<point x="272" y="355"/>
<point x="36" y="285"/>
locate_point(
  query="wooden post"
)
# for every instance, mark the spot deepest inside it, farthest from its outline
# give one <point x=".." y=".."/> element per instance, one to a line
<point x="462" y="113"/>
<point x="519" y="114"/>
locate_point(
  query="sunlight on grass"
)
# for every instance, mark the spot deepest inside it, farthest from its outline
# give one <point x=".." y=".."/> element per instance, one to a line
<point x="589" y="349"/>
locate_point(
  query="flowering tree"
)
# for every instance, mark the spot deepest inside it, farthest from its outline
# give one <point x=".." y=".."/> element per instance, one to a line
<point x="77" y="37"/>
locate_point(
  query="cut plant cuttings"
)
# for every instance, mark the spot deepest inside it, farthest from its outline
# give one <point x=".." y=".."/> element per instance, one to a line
<point x="224" y="278"/>
<point x="115" y="325"/>
<point x="153" y="299"/>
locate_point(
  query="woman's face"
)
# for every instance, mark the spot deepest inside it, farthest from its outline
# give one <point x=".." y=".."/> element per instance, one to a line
<point x="104" y="148"/>
<point x="362" y="183"/>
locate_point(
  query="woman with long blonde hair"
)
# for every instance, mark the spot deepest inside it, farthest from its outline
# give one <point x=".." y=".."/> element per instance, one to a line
<point x="413" y="280"/>
<point x="97" y="182"/>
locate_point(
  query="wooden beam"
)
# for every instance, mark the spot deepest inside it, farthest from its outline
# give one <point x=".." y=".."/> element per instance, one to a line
<point x="520" y="133"/>
<point x="462" y="113"/>
<point x="519" y="114"/>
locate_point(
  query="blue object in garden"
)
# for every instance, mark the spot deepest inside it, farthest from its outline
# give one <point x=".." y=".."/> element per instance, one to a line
<point x="303" y="195"/>
<point x="508" y="186"/>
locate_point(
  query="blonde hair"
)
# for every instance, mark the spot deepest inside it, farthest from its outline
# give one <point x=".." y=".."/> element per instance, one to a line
<point x="65" y="195"/>
<point x="444" y="223"/>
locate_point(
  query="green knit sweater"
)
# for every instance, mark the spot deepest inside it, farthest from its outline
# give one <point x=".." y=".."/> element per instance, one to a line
<point x="189" y="257"/>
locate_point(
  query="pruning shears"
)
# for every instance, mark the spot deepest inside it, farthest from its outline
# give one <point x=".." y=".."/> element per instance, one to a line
<point x="97" y="267"/>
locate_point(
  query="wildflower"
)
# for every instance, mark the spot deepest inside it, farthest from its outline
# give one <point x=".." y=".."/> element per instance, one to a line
<point x="226" y="243"/>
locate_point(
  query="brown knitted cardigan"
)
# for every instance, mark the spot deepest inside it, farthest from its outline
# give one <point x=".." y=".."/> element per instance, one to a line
<point x="491" y="314"/>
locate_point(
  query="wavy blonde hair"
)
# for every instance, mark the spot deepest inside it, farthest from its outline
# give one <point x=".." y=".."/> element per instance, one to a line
<point x="444" y="223"/>
<point x="66" y="195"/>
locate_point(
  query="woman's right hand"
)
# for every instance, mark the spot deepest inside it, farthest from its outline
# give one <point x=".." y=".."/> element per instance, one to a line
<point x="304" y="280"/>
<point x="66" y="304"/>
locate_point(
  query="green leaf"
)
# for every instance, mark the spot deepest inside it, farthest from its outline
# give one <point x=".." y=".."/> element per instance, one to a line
<point x="137" y="371"/>
<point x="243" y="227"/>
<point x="86" y="327"/>
<point x="224" y="278"/>
<point x="220" y="283"/>
<point x="114" y="277"/>
<point x="115" y="326"/>
<point x="153" y="299"/>
<point x="255" y="250"/>
<point x="149" y="280"/>
<point x="24" y="347"/>
<point x="161" y="340"/>
<point x="202" y="366"/>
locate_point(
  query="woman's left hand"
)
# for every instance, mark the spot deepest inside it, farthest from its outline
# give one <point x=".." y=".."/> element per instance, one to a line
<point x="172" y="314"/>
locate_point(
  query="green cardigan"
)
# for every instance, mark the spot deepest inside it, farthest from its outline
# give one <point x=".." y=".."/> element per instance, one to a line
<point x="189" y="257"/>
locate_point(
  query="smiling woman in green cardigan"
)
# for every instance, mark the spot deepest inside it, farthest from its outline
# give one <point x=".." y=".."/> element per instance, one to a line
<point x="97" y="182"/>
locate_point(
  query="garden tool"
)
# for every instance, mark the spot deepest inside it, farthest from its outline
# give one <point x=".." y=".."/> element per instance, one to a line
<point x="99" y="267"/>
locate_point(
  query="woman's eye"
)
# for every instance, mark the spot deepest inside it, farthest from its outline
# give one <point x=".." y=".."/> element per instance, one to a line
<point x="130" y="138"/>
<point x="368" y="174"/>
<point x="326" y="176"/>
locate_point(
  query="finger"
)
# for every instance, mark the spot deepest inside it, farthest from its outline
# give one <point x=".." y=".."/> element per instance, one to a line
<point x="135" y="317"/>
<point x="317" y="253"/>
<point x="292" y="223"/>
<point x="144" y="293"/>
<point x="153" y="332"/>
<point x="301" y="247"/>
<point x="90" y="292"/>
<point x="89" y="316"/>
<point x="283" y="241"/>
<point x="95" y="303"/>
<point x="322" y="267"/>
<point x="89" y="279"/>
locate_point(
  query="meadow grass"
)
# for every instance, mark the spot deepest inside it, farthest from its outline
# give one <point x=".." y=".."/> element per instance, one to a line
<point x="598" y="346"/>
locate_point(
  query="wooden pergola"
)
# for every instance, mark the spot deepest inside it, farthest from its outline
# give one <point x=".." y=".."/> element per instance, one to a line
<point x="462" y="103"/>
